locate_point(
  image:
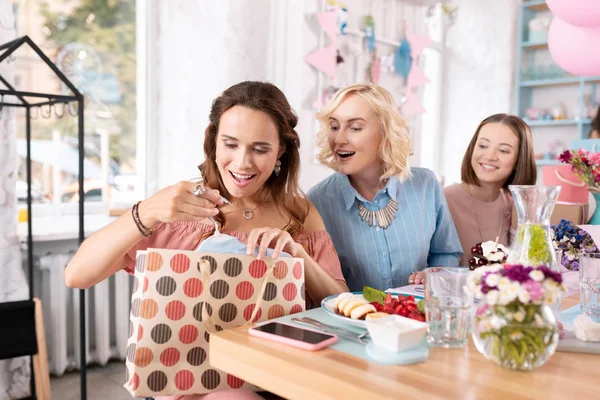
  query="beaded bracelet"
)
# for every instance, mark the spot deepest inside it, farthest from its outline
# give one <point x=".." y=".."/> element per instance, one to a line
<point x="138" y="222"/>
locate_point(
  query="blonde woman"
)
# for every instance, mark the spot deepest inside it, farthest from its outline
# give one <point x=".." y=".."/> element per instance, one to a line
<point x="387" y="221"/>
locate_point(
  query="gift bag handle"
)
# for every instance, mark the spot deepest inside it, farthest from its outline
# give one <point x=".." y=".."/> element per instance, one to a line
<point x="205" y="271"/>
<point x="560" y="178"/>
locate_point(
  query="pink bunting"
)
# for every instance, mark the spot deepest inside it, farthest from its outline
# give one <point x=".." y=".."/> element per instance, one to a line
<point x="328" y="21"/>
<point x="325" y="60"/>
<point x="412" y="105"/>
<point x="417" y="43"/>
<point x="416" y="76"/>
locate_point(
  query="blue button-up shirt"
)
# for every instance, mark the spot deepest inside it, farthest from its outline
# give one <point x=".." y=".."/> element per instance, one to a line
<point x="421" y="235"/>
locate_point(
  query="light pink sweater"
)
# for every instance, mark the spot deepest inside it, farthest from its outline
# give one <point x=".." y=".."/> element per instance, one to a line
<point x="493" y="218"/>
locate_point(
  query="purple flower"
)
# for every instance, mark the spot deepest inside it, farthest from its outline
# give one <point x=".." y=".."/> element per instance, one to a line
<point x="517" y="272"/>
<point x="548" y="273"/>
<point x="565" y="156"/>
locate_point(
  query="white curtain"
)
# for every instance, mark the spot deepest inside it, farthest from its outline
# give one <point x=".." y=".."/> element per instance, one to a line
<point x="14" y="373"/>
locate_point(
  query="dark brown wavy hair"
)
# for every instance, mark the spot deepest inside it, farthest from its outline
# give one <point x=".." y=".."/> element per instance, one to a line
<point x="283" y="189"/>
<point x="525" y="172"/>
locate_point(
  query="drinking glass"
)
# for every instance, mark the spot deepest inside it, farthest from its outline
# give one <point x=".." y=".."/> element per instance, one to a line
<point x="589" y="284"/>
<point x="448" y="306"/>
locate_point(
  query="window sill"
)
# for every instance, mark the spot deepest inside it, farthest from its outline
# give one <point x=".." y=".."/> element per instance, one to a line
<point x="55" y="227"/>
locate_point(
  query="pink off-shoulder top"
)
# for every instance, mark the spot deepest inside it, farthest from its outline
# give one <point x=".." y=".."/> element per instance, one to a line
<point x="187" y="235"/>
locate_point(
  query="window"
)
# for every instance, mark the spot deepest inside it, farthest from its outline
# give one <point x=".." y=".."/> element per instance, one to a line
<point x="94" y="44"/>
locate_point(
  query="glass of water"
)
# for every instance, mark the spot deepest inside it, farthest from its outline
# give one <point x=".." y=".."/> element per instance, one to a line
<point x="448" y="306"/>
<point x="589" y="284"/>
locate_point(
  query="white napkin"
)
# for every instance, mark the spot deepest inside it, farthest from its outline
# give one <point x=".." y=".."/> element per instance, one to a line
<point x="586" y="329"/>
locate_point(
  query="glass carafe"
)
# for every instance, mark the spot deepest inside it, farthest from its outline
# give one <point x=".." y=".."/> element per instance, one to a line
<point x="532" y="245"/>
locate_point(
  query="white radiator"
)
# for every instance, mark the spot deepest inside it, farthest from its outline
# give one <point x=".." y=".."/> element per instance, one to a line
<point x="107" y="315"/>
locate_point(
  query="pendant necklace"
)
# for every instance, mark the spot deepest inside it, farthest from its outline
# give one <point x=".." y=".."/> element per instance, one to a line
<point x="249" y="214"/>
<point x="474" y="209"/>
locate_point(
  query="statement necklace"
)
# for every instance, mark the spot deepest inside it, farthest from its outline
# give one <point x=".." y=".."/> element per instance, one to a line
<point x="382" y="217"/>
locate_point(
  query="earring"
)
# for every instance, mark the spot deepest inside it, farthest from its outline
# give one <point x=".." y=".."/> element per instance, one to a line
<point x="277" y="168"/>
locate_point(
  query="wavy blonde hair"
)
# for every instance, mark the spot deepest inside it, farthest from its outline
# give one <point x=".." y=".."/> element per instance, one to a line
<point x="395" y="146"/>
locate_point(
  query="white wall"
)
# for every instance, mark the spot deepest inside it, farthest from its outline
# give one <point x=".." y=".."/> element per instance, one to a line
<point x="479" y="74"/>
<point x="200" y="49"/>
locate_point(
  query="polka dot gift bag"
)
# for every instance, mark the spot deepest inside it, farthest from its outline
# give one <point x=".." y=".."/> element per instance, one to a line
<point x="180" y="297"/>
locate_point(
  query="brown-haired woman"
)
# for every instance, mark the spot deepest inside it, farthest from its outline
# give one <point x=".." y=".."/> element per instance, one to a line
<point x="499" y="154"/>
<point x="252" y="160"/>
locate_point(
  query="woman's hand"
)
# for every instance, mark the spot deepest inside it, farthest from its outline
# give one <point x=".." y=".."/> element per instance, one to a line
<point x="416" y="278"/>
<point x="265" y="236"/>
<point x="179" y="203"/>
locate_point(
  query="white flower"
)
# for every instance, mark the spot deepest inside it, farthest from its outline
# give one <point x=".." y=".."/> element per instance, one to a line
<point x="536" y="275"/>
<point x="509" y="293"/>
<point x="492" y="280"/>
<point x="519" y="316"/>
<point x="492" y="297"/>
<point x="484" y="325"/>
<point x="524" y="296"/>
<point x="503" y="283"/>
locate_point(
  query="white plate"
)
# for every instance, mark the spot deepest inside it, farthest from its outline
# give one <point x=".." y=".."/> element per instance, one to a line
<point x="328" y="304"/>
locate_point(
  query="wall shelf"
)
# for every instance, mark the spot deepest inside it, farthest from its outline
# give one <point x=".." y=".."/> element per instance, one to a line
<point x="534" y="45"/>
<point x="570" y="80"/>
<point x="535" y="5"/>
<point x="573" y="91"/>
<point x="551" y="122"/>
<point x="541" y="163"/>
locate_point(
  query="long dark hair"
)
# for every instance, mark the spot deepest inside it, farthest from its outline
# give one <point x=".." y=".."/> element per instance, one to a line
<point x="525" y="172"/>
<point x="283" y="188"/>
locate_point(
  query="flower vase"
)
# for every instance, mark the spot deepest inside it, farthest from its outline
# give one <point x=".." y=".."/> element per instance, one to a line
<point x="533" y="242"/>
<point x="516" y="336"/>
<point x="533" y="245"/>
<point x="595" y="219"/>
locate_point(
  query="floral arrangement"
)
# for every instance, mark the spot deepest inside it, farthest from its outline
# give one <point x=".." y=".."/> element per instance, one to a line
<point x="513" y="327"/>
<point x="573" y="242"/>
<point x="585" y="164"/>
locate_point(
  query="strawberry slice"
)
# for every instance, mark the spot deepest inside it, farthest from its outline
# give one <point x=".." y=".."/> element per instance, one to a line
<point x="388" y="299"/>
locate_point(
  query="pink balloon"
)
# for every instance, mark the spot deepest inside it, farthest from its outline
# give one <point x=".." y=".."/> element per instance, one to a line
<point x="576" y="12"/>
<point x="575" y="49"/>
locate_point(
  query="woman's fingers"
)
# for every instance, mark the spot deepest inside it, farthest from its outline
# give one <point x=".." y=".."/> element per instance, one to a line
<point x="281" y="243"/>
<point x="201" y="191"/>
<point x="266" y="238"/>
<point x="263" y="237"/>
<point x="253" y="239"/>
<point x="419" y="278"/>
<point x="416" y="278"/>
<point x="205" y="209"/>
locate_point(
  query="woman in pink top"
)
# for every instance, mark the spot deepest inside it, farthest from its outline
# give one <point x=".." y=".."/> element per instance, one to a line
<point x="252" y="161"/>
<point x="500" y="154"/>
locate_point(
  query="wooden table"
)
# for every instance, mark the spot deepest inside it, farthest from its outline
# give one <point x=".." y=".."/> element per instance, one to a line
<point x="449" y="374"/>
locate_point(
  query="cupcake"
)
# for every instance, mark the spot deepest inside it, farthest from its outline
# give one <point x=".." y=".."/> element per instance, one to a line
<point x="487" y="253"/>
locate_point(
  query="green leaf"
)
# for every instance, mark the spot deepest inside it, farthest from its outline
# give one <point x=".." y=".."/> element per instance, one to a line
<point x="373" y="295"/>
<point x="421" y="305"/>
